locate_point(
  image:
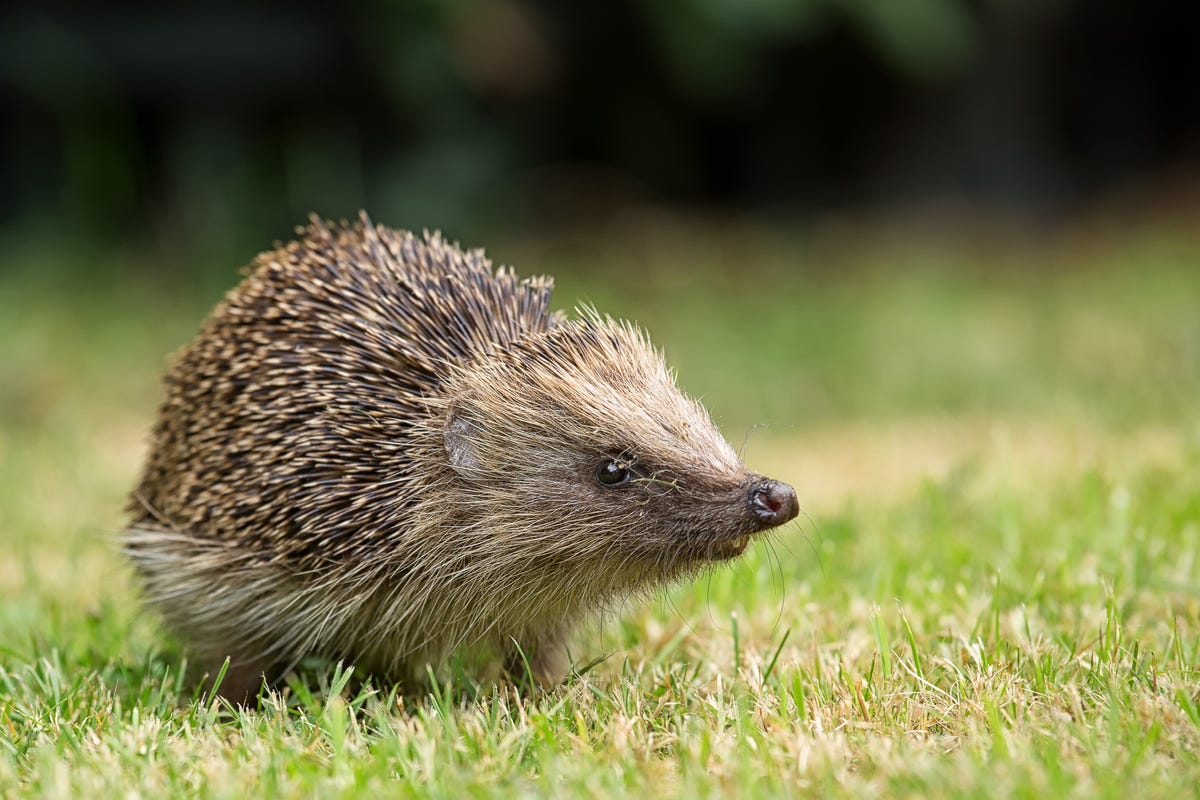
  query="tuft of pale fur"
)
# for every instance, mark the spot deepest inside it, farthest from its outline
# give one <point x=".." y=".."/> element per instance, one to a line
<point x="381" y="449"/>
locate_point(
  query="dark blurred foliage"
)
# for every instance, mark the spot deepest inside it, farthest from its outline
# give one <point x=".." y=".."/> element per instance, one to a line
<point x="171" y="122"/>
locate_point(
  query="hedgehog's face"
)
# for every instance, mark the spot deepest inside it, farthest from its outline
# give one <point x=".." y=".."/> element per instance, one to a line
<point x="579" y="442"/>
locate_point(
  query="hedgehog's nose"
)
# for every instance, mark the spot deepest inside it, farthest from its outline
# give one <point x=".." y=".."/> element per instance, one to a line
<point x="773" y="503"/>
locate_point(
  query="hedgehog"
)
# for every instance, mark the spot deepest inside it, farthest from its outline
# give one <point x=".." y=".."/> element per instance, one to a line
<point x="380" y="449"/>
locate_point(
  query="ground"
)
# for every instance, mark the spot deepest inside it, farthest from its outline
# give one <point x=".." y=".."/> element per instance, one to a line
<point x="993" y="591"/>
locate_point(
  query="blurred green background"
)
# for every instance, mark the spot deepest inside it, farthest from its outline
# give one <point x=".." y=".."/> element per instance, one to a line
<point x="206" y="131"/>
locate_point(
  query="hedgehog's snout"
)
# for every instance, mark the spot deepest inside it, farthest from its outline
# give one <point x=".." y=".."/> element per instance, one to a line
<point x="772" y="502"/>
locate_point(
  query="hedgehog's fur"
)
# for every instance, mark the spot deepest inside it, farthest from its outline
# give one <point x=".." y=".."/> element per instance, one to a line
<point x="379" y="449"/>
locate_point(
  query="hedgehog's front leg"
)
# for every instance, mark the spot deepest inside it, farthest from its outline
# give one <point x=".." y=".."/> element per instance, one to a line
<point x="242" y="680"/>
<point x="538" y="659"/>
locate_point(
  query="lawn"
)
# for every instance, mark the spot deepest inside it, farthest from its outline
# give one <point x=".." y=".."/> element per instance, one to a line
<point x="994" y="590"/>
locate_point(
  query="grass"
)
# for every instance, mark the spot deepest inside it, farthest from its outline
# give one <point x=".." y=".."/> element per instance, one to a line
<point x="997" y="592"/>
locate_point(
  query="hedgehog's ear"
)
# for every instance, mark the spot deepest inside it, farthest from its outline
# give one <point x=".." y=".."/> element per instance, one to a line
<point x="461" y="436"/>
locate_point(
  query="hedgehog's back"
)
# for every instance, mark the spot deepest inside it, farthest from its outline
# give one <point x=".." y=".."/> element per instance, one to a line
<point x="286" y="433"/>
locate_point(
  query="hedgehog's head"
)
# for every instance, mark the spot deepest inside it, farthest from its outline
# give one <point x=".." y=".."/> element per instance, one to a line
<point x="577" y="442"/>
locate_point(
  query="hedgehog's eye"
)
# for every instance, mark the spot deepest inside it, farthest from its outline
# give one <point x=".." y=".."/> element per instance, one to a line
<point x="613" y="473"/>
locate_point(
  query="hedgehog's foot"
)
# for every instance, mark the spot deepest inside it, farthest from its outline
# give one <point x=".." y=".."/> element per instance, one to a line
<point x="541" y="661"/>
<point x="242" y="682"/>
